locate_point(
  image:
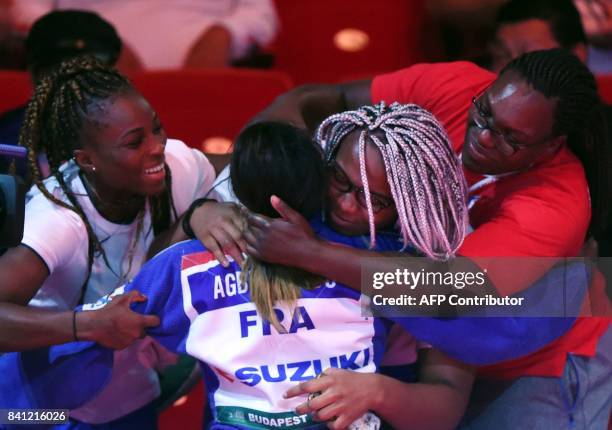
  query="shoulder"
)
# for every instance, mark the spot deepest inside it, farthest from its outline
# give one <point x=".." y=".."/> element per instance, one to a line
<point x="192" y="173"/>
<point x="186" y="161"/>
<point x="432" y="72"/>
<point x="40" y="210"/>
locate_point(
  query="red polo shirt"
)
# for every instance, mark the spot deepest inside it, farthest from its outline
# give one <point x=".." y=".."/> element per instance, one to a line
<point x="544" y="211"/>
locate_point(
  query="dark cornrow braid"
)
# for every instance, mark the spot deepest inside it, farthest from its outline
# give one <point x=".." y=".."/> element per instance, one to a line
<point x="163" y="211"/>
<point x="579" y="114"/>
<point x="54" y="118"/>
<point x="423" y="172"/>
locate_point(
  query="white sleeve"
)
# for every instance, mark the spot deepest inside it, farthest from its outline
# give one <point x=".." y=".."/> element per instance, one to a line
<point x="222" y="190"/>
<point x="192" y="174"/>
<point x="251" y="22"/>
<point x="53" y="232"/>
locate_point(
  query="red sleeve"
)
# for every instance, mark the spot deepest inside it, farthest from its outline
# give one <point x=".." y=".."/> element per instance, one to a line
<point x="544" y="213"/>
<point x="445" y="89"/>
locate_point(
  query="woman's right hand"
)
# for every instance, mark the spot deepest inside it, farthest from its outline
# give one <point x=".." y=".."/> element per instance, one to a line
<point x="219" y="226"/>
<point x="115" y="325"/>
<point x="288" y="240"/>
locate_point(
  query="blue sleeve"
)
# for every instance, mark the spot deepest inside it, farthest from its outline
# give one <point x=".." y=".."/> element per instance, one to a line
<point x="160" y="281"/>
<point x="488" y="340"/>
<point x="69" y="375"/>
<point x="480" y="340"/>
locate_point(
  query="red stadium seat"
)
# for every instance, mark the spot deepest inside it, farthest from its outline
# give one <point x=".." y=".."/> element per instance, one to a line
<point x="197" y="105"/>
<point x="604" y="82"/>
<point x="187" y="413"/>
<point x="326" y="40"/>
<point x="15" y="89"/>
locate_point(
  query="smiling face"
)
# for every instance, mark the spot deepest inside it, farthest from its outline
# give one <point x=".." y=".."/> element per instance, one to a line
<point x="519" y="128"/>
<point x="124" y="140"/>
<point x="346" y="211"/>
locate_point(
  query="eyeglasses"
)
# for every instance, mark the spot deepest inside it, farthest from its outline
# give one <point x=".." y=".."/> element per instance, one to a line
<point x="506" y="143"/>
<point x="342" y="183"/>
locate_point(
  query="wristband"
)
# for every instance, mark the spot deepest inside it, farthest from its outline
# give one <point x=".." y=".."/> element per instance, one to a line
<point x="187" y="216"/>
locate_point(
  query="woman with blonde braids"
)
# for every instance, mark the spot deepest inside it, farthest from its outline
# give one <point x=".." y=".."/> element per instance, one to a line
<point x="116" y="183"/>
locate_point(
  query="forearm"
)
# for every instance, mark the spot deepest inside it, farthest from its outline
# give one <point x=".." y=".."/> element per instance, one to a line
<point x="305" y="106"/>
<point x="212" y="49"/>
<point x="345" y="265"/>
<point x="337" y="262"/>
<point x="26" y="327"/>
<point x="418" y="405"/>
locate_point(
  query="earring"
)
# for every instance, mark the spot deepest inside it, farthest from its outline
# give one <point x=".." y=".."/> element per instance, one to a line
<point x="93" y="168"/>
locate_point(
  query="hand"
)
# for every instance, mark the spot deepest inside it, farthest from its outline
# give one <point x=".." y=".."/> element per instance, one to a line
<point x="278" y="240"/>
<point x="596" y="16"/>
<point x="212" y="49"/>
<point x="345" y="396"/>
<point x="115" y="325"/>
<point x="219" y="226"/>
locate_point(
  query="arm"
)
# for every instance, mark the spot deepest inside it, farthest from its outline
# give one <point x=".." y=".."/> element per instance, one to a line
<point x="24" y="327"/>
<point x="212" y="49"/>
<point x="21" y="326"/>
<point x="269" y="239"/>
<point x="219" y="226"/>
<point x="596" y="19"/>
<point x="307" y="105"/>
<point x="436" y="401"/>
<point x="250" y="22"/>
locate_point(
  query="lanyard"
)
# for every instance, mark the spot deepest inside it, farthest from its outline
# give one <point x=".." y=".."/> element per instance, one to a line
<point x="473" y="197"/>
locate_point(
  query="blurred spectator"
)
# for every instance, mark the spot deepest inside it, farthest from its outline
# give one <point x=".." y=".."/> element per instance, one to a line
<point x="462" y="25"/>
<point x="162" y="34"/>
<point x="527" y="25"/>
<point x="597" y="22"/>
<point x="11" y="42"/>
<point x="55" y="37"/>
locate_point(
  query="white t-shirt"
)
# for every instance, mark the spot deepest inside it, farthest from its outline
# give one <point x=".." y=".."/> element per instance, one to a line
<point x="59" y="237"/>
<point x="162" y="32"/>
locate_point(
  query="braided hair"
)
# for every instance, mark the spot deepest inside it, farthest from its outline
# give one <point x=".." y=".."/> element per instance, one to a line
<point x="424" y="175"/>
<point x="54" y="118"/>
<point x="579" y="115"/>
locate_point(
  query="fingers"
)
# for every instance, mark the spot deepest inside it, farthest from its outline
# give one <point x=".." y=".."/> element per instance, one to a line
<point x="311" y="386"/>
<point x="133" y="296"/>
<point x="253" y="236"/>
<point x="285" y="211"/>
<point x="258" y="221"/>
<point x="211" y="244"/>
<point x="329" y="412"/>
<point x="150" y="321"/>
<point x="233" y="235"/>
<point x="340" y="423"/>
<point x="232" y="243"/>
<point x="315" y="404"/>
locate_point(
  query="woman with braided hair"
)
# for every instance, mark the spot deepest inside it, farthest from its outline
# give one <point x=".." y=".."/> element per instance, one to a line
<point x="426" y="191"/>
<point x="258" y="328"/>
<point x="535" y="152"/>
<point x="117" y="182"/>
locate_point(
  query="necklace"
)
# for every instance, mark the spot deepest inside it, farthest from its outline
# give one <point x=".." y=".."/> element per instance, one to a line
<point x="115" y="203"/>
<point x="132" y="248"/>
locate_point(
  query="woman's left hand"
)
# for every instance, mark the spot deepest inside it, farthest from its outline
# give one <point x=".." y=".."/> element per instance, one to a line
<point x="345" y="396"/>
<point x="279" y="240"/>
